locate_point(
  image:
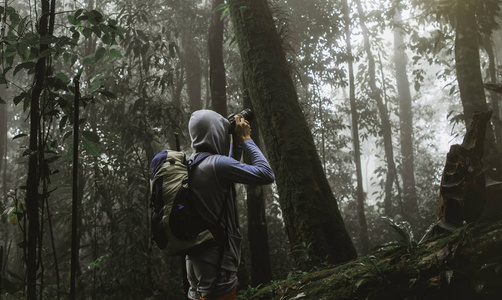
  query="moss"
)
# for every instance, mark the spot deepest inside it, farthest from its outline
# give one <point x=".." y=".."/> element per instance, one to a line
<point x="458" y="266"/>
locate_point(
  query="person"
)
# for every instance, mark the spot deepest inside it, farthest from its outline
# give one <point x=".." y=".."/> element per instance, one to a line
<point x="212" y="269"/>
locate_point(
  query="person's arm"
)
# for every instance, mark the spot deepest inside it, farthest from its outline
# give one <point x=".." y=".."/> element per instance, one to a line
<point x="232" y="171"/>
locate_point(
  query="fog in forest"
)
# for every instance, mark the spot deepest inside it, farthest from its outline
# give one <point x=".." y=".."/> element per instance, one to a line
<point x="382" y="89"/>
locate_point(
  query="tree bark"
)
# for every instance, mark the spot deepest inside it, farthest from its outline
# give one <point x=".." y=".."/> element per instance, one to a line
<point x="385" y="126"/>
<point x="3" y="139"/>
<point x="33" y="179"/>
<point x="495" y="97"/>
<point x="463" y="193"/>
<point x="410" y="205"/>
<point x="216" y="66"/>
<point x="469" y="76"/>
<point x="311" y="213"/>
<point x="261" y="267"/>
<point x="363" y="232"/>
<point x="193" y="68"/>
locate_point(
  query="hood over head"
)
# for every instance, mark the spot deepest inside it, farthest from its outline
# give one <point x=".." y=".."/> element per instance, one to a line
<point x="209" y="132"/>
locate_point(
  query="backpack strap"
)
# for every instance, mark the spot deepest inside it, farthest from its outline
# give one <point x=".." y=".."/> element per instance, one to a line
<point x="198" y="159"/>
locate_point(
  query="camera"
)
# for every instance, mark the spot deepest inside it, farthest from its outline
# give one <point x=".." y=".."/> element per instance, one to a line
<point x="246" y="114"/>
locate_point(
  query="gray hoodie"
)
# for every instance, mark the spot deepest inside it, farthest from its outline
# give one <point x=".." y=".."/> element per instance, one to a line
<point x="214" y="176"/>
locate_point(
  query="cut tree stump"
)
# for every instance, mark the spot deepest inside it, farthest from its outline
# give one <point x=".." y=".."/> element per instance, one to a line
<point x="463" y="185"/>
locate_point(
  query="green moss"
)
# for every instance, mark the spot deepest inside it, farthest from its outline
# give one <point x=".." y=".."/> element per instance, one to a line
<point x="461" y="264"/>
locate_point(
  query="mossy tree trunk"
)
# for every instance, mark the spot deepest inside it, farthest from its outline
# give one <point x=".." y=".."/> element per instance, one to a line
<point x="470" y="81"/>
<point x="261" y="266"/>
<point x="310" y="210"/>
<point x="495" y="97"/>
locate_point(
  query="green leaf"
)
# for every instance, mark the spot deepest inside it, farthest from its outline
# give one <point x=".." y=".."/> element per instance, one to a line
<point x="106" y="39"/>
<point x="20" y="97"/>
<point x="45" y="53"/>
<point x="79" y="74"/>
<point x="19" y="136"/>
<point x="90" y="147"/>
<point x="27" y="65"/>
<point x="66" y="57"/>
<point x="62" y="122"/>
<point x="78" y="12"/>
<point x="96" y="30"/>
<point x="115" y="53"/>
<point x="63" y="77"/>
<point x="87" y="32"/>
<point x="91" y="136"/>
<point x="72" y="20"/>
<point x="99" y="54"/>
<point x="74" y="59"/>
<point x="48" y="39"/>
<point x="108" y="94"/>
<point x="88" y="61"/>
<point x="67" y="134"/>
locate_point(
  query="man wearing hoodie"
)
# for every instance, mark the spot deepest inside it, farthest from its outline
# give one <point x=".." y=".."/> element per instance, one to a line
<point x="212" y="270"/>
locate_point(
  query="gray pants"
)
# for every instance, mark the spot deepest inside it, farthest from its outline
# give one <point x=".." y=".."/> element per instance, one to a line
<point x="202" y="275"/>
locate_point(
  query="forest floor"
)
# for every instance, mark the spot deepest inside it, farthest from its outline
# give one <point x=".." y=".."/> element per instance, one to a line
<point x="464" y="264"/>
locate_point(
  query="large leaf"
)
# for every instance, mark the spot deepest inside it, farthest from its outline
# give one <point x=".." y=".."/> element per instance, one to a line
<point x="115" y="53"/>
<point x="30" y="65"/>
<point x="90" y="147"/>
<point x="99" y="54"/>
<point x="91" y="136"/>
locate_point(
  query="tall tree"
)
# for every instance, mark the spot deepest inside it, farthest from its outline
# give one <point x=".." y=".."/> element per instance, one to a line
<point x="217" y="76"/>
<point x="310" y="210"/>
<point x="470" y="81"/>
<point x="410" y="205"/>
<point x="192" y="62"/>
<point x="363" y="233"/>
<point x="495" y="97"/>
<point x="261" y="267"/>
<point x="3" y="139"/>
<point x="385" y="125"/>
<point x="33" y="180"/>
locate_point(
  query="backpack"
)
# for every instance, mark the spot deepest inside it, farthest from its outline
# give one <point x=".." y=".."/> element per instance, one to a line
<point x="175" y="224"/>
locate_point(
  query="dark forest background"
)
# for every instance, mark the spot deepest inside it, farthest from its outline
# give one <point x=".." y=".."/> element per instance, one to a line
<point x="357" y="103"/>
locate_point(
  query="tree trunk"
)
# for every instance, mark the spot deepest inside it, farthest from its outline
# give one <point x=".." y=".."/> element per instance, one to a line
<point x="410" y="205"/>
<point x="3" y="139"/>
<point x="495" y="97"/>
<point x="261" y="267"/>
<point x="311" y="214"/>
<point x="470" y="82"/>
<point x="33" y="180"/>
<point x="193" y="68"/>
<point x="462" y="194"/>
<point x="385" y="126"/>
<point x="216" y="66"/>
<point x="363" y="232"/>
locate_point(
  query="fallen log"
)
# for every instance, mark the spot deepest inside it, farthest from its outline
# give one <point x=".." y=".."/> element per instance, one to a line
<point x="466" y="264"/>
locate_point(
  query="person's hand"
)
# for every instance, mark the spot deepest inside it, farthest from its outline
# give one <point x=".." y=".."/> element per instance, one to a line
<point x="242" y="130"/>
